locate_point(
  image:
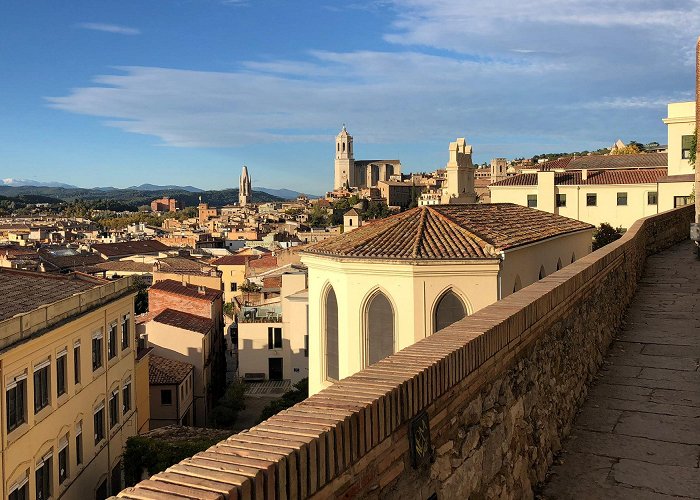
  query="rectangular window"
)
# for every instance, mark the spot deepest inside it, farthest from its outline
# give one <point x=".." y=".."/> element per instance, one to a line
<point x="15" y="398"/>
<point x="621" y="199"/>
<point x="63" y="461"/>
<point x="686" y="146"/>
<point x="166" y="397"/>
<point x="79" y="443"/>
<point x="274" y="338"/>
<point x="532" y="200"/>
<point x="652" y="198"/>
<point x="43" y="479"/>
<point x="96" y="350"/>
<point x="112" y="341"/>
<point x="76" y="363"/>
<point x="125" y="332"/>
<point x="41" y="386"/>
<point x="126" y="398"/>
<point x="681" y="201"/>
<point x="20" y="491"/>
<point x="234" y="287"/>
<point x="591" y="200"/>
<point x="306" y="346"/>
<point x="114" y="409"/>
<point x="99" y="424"/>
<point x="561" y="200"/>
<point x="61" y="373"/>
<point x="116" y="479"/>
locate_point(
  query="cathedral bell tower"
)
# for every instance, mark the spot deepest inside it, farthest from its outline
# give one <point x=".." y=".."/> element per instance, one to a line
<point x="344" y="160"/>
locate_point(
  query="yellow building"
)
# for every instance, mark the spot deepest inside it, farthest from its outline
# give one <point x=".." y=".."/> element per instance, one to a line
<point x="232" y="268"/>
<point x="390" y="283"/>
<point x="617" y="189"/>
<point x="68" y="365"/>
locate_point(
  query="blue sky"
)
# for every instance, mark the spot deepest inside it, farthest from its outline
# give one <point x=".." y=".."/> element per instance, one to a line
<point x="187" y="91"/>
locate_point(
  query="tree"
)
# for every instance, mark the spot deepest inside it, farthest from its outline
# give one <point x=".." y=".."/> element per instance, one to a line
<point x="693" y="149"/>
<point x="377" y="210"/>
<point x="298" y="394"/>
<point x="141" y="300"/>
<point x="605" y="234"/>
<point x="318" y="216"/>
<point x="225" y="412"/>
<point x="632" y="148"/>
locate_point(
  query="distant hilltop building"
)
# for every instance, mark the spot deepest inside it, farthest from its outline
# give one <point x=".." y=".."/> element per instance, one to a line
<point x="165" y="204"/>
<point x="351" y="173"/>
<point x="245" y="191"/>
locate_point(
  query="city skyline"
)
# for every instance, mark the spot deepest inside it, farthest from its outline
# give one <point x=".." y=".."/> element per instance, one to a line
<point x="189" y="91"/>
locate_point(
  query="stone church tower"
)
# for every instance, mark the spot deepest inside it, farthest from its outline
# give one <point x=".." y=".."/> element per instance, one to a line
<point x="244" y="190"/>
<point x="460" y="174"/>
<point x="344" y="160"/>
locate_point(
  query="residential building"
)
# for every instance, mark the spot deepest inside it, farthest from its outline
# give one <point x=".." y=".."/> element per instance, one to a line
<point x="68" y="363"/>
<point x="386" y="285"/>
<point x="272" y="335"/>
<point x="171" y="389"/>
<point x="233" y="271"/>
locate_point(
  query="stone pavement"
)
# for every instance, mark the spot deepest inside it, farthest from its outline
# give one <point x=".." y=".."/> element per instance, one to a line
<point x="638" y="433"/>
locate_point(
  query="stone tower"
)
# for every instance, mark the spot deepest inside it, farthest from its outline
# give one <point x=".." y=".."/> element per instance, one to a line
<point x="499" y="169"/>
<point x="344" y="160"/>
<point x="460" y="174"/>
<point x="244" y="190"/>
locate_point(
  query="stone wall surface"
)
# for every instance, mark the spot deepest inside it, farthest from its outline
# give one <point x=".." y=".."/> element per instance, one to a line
<point x="500" y="389"/>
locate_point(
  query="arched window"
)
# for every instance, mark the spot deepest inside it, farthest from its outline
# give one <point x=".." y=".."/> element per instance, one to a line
<point x="559" y="264"/>
<point x="542" y="272"/>
<point x="573" y="258"/>
<point x="450" y="308"/>
<point x="331" y="309"/>
<point x="518" y="284"/>
<point x="380" y="328"/>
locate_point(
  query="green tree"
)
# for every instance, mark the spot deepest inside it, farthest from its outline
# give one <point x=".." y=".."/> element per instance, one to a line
<point x="141" y="299"/>
<point x="225" y="412"/>
<point x="605" y="234"/>
<point x="318" y="216"/>
<point x="377" y="210"/>
<point x="693" y="149"/>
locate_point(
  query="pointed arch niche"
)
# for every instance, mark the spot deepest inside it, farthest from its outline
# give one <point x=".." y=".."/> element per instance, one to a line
<point x="379" y="327"/>
<point x="330" y="308"/>
<point x="449" y="308"/>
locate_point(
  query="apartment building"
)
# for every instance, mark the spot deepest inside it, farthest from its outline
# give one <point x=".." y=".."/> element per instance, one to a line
<point x="171" y="390"/>
<point x="67" y="355"/>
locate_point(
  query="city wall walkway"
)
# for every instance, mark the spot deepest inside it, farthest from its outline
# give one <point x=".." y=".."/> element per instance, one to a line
<point x="638" y="433"/>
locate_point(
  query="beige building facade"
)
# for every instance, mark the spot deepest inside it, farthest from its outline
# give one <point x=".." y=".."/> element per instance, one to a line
<point x="68" y="376"/>
<point x="382" y="287"/>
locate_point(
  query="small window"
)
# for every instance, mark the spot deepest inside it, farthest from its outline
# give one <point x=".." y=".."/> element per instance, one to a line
<point x="15" y="399"/>
<point x="76" y="363"/>
<point x="61" y="374"/>
<point x="234" y="286"/>
<point x="652" y="198"/>
<point x="43" y="479"/>
<point x="99" y="424"/>
<point x="686" y="146"/>
<point x="591" y="200"/>
<point x="306" y="346"/>
<point x="621" y="199"/>
<point x="274" y="338"/>
<point x="125" y="331"/>
<point x="114" y="409"/>
<point x="126" y="398"/>
<point x="532" y="200"/>
<point x="41" y="387"/>
<point x="97" y="351"/>
<point x="79" y="443"/>
<point x="112" y="341"/>
<point x="20" y="491"/>
<point x="166" y="397"/>
<point x="561" y="200"/>
<point x="681" y="201"/>
<point x="63" y="462"/>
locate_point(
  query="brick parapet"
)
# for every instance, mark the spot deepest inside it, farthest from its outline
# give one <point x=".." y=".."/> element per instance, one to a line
<point x="500" y="388"/>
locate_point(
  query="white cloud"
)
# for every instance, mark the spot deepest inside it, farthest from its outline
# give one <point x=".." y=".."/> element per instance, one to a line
<point x="110" y="28"/>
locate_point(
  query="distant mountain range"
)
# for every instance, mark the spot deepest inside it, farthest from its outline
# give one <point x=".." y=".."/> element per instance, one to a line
<point x="285" y="194"/>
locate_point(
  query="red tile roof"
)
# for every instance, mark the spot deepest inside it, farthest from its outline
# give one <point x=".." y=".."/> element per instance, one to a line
<point x="263" y="262"/>
<point x="645" y="160"/>
<point x="126" y="248"/>
<point x="678" y="178"/>
<point x="184" y="320"/>
<point x="165" y="371"/>
<point x="231" y="260"/>
<point x="574" y="178"/>
<point x="187" y="290"/>
<point x="444" y="232"/>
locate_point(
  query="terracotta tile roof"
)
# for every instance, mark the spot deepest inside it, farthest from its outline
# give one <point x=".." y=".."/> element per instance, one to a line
<point x="646" y="160"/>
<point x="126" y="248"/>
<point x="678" y="178"/>
<point x="63" y="258"/>
<point x="125" y="265"/>
<point x="187" y="290"/>
<point x="15" y="251"/>
<point x="268" y="261"/>
<point x="184" y="320"/>
<point x="24" y="291"/>
<point x="272" y="282"/>
<point x="165" y="371"/>
<point x="231" y="260"/>
<point x="444" y="232"/>
<point x="574" y="178"/>
<point x="182" y="265"/>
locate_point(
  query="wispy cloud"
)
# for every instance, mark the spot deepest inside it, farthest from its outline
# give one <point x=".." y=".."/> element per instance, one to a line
<point x="110" y="28"/>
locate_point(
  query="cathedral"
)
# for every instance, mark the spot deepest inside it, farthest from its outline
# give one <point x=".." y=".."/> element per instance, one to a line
<point x="351" y="173"/>
<point x="245" y="193"/>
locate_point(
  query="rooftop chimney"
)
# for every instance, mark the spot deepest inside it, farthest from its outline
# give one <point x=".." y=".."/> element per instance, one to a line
<point x="584" y="174"/>
<point x="201" y="290"/>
